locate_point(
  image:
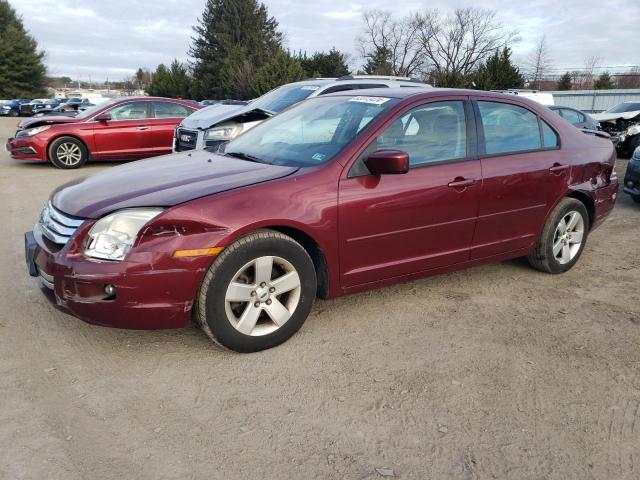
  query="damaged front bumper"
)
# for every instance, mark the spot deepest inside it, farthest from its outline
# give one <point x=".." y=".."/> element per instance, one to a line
<point x="130" y="294"/>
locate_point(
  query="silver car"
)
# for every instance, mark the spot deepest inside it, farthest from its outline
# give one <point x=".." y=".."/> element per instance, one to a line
<point x="220" y="123"/>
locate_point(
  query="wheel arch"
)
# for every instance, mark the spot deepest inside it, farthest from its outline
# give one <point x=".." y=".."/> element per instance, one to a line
<point x="315" y="252"/>
<point x="587" y="201"/>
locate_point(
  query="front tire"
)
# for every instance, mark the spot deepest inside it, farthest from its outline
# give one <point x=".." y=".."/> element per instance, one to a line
<point x="258" y="292"/>
<point x="562" y="239"/>
<point x="68" y="153"/>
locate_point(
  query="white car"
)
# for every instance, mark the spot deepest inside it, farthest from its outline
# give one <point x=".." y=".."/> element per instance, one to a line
<point x="220" y="123"/>
<point x="622" y="122"/>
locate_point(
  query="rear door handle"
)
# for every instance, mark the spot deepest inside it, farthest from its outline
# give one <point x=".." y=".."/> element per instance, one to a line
<point x="460" y="182"/>
<point x="557" y="168"/>
<point x="142" y="128"/>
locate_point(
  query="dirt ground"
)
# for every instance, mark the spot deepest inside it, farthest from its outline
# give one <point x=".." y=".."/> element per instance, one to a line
<point x="494" y="372"/>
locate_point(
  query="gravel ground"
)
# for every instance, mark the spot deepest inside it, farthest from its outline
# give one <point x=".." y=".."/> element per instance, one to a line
<point x="494" y="372"/>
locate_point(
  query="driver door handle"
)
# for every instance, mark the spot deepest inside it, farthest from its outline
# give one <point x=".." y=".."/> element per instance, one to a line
<point x="460" y="182"/>
<point x="142" y="128"/>
<point x="557" y="168"/>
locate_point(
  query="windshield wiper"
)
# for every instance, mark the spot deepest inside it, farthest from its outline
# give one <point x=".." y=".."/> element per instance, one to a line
<point x="244" y="156"/>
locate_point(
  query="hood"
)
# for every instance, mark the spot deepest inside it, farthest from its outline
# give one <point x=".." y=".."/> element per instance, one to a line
<point x="45" y="120"/>
<point x="161" y="182"/>
<point x="215" y="114"/>
<point x="606" y="116"/>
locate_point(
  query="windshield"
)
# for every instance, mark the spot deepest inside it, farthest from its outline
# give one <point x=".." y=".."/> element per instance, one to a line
<point x="310" y="133"/>
<point x="624" y="107"/>
<point x="277" y="100"/>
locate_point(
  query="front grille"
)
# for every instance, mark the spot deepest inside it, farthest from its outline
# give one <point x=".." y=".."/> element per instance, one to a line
<point x="186" y="139"/>
<point x="26" y="108"/>
<point x="58" y="226"/>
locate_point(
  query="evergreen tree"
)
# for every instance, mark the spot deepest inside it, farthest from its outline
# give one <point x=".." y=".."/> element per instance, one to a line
<point x="22" y="71"/>
<point x="451" y="79"/>
<point x="604" y="82"/>
<point x="498" y="73"/>
<point x="226" y="27"/>
<point x="565" y="82"/>
<point x="172" y="82"/>
<point x="282" y="68"/>
<point x="237" y="75"/>
<point x="379" y="62"/>
<point x="325" y="64"/>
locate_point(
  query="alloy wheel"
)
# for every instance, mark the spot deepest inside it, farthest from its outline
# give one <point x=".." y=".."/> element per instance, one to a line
<point x="568" y="237"/>
<point x="262" y="295"/>
<point x="69" y="153"/>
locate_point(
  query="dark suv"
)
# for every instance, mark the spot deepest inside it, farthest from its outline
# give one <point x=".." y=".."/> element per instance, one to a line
<point x="632" y="177"/>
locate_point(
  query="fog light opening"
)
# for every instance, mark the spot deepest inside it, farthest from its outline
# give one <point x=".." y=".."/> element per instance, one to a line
<point x="110" y="291"/>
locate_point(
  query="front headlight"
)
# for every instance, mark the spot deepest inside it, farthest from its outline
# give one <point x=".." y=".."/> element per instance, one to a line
<point x="112" y="236"/>
<point x="30" y="132"/>
<point x="223" y="132"/>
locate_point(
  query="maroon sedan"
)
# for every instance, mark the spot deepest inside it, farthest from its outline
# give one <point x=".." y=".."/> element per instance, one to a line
<point x="121" y="129"/>
<point x="339" y="194"/>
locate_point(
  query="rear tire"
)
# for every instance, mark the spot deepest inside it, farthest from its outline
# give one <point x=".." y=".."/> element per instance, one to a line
<point x="13" y="113"/>
<point x="258" y="292"/>
<point x="562" y="239"/>
<point x="68" y="153"/>
<point x="635" y="198"/>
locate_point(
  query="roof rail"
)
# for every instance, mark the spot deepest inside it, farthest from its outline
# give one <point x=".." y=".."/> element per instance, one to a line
<point x="379" y="77"/>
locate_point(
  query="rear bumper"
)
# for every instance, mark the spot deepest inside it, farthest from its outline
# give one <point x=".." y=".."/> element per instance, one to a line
<point x="27" y="148"/>
<point x="145" y="298"/>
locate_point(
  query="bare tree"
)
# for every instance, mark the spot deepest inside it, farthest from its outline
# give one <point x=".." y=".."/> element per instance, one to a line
<point x="539" y="62"/>
<point x="397" y="40"/>
<point x="590" y="65"/>
<point x="456" y="44"/>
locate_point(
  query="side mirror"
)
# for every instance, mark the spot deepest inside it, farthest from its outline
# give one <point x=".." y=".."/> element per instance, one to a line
<point x="384" y="162"/>
<point x="103" y="117"/>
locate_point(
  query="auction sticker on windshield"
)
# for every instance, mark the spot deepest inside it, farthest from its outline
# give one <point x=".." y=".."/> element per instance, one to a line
<point x="371" y="100"/>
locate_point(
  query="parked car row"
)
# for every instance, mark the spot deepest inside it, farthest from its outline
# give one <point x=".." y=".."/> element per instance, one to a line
<point x="11" y="108"/>
<point x="41" y="106"/>
<point x="342" y="192"/>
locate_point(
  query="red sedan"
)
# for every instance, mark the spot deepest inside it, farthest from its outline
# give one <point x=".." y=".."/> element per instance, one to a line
<point x="339" y="194"/>
<point x="120" y="129"/>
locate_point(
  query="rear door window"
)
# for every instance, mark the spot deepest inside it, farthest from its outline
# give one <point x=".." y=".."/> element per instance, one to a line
<point x="129" y="111"/>
<point x="171" y="110"/>
<point x="508" y="128"/>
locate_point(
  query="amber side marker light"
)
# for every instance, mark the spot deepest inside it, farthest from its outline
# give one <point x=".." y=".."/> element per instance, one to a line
<point x="198" y="252"/>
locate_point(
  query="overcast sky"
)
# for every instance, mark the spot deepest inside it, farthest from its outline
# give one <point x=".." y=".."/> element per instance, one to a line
<point x="112" y="38"/>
